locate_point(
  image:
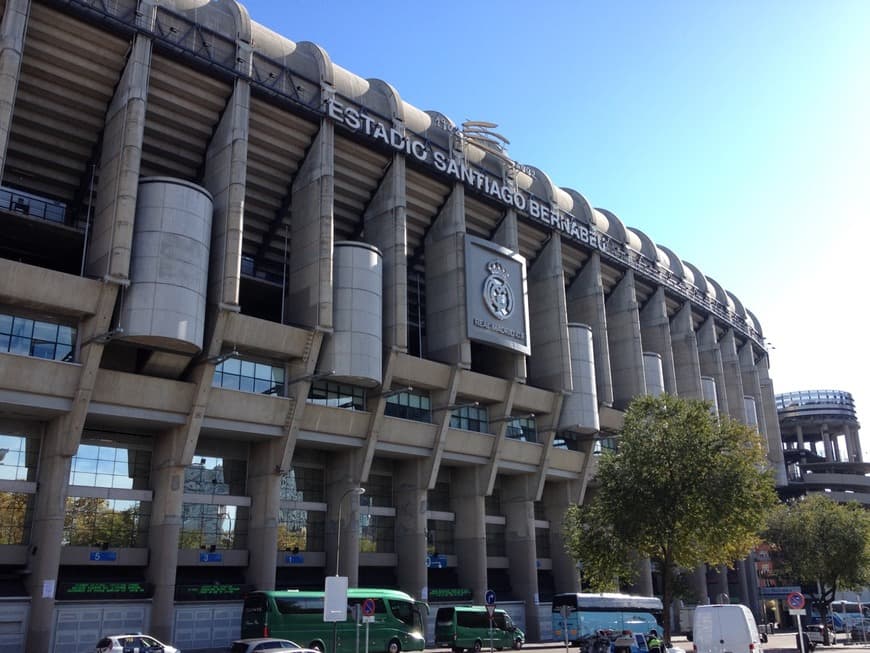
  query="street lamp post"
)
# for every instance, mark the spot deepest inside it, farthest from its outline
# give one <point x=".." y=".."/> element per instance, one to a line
<point x="353" y="490"/>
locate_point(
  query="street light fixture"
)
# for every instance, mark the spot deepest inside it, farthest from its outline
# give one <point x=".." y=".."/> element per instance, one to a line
<point x="353" y="490"/>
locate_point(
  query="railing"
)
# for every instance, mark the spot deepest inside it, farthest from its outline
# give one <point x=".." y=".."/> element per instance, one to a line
<point x="16" y="201"/>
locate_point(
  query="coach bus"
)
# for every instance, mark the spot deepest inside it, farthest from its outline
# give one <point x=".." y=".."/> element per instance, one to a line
<point x="397" y="624"/>
<point x="578" y="617"/>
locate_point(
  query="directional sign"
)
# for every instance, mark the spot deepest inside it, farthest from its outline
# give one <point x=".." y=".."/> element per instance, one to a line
<point x="368" y="607"/>
<point x="490" y="597"/>
<point x="795" y="601"/>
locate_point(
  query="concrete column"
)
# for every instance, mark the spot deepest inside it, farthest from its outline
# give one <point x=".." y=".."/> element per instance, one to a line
<point x="710" y="359"/>
<point x="550" y="361"/>
<point x="507" y="364"/>
<point x="743" y="583"/>
<point x="643" y="584"/>
<point x="518" y="506"/>
<point x="342" y="536"/>
<point x="385" y="222"/>
<point x="12" y="31"/>
<point x="687" y="365"/>
<point x="118" y="184"/>
<point x="733" y="378"/>
<point x="225" y="174"/>
<point x="164" y="531"/>
<point x="699" y="584"/>
<point x="446" y="313"/>
<point x="721" y="583"/>
<point x="411" y="505"/>
<point x="557" y="498"/>
<point x="826" y="441"/>
<point x="623" y="335"/>
<point x="586" y="305"/>
<point x="264" y="488"/>
<point x="752" y="388"/>
<point x="467" y="497"/>
<point x="46" y="534"/>
<point x="309" y="278"/>
<point x="771" y="421"/>
<point x="800" y="435"/>
<point x="655" y="331"/>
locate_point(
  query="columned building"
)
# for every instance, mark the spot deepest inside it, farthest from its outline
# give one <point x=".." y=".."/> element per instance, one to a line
<point x="239" y="284"/>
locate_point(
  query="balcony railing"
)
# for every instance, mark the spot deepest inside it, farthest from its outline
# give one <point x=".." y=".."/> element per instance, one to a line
<point x="16" y="201"/>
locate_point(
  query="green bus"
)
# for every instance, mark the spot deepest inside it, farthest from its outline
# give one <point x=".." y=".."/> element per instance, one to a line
<point x="397" y="625"/>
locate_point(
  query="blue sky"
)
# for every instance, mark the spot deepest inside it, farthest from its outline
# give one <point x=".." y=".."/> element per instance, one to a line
<point x="735" y="133"/>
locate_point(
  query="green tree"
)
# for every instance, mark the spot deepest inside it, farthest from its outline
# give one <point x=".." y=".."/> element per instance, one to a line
<point x="822" y="545"/>
<point x="684" y="487"/>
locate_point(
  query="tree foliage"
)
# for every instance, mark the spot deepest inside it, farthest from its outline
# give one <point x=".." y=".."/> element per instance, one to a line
<point x="685" y="487"/>
<point x="822" y="545"/>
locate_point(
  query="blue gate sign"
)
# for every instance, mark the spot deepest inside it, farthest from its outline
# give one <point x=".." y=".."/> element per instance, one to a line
<point x="104" y="556"/>
<point x="210" y="557"/>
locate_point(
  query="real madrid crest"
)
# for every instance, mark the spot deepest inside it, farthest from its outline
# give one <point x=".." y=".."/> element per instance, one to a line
<point x="497" y="294"/>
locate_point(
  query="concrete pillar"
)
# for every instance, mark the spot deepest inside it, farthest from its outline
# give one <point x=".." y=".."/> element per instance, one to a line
<point x="655" y="331"/>
<point x="733" y="378"/>
<point x="118" y="184"/>
<point x="687" y="366"/>
<point x="309" y="278"/>
<point x="771" y="421"/>
<point x="164" y="531"/>
<point x="342" y="517"/>
<point x="225" y="174"/>
<point x="826" y="441"/>
<point x="467" y="497"/>
<point x="550" y="361"/>
<point x="643" y="584"/>
<point x="743" y="583"/>
<point x="623" y="335"/>
<point x="411" y="505"/>
<point x="46" y="533"/>
<point x="264" y="488"/>
<point x="385" y="224"/>
<point x="721" y="583"/>
<point x="752" y="388"/>
<point x="710" y="359"/>
<point x="699" y="584"/>
<point x="518" y="505"/>
<point x="12" y="31"/>
<point x="446" y="313"/>
<point x="800" y="436"/>
<point x="586" y="305"/>
<point x="557" y="498"/>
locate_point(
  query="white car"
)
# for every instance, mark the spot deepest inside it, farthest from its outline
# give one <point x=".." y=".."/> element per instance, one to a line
<point x="133" y="643"/>
<point x="264" y="644"/>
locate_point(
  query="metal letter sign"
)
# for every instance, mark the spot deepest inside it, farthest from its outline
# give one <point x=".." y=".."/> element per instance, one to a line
<point x="490" y="597"/>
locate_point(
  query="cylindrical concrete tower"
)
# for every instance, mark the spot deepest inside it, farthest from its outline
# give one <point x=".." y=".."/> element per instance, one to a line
<point x="708" y="392"/>
<point x="653" y="374"/>
<point x="580" y="407"/>
<point x="354" y="350"/>
<point x="165" y="303"/>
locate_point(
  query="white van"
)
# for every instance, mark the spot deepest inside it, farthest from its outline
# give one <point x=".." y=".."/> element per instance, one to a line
<point x="725" y="629"/>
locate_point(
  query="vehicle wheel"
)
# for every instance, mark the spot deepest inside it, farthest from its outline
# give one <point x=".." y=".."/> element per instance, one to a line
<point x="478" y="645"/>
<point x="394" y="646"/>
<point x="518" y="643"/>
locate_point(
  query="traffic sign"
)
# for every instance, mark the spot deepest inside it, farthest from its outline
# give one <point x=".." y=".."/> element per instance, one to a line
<point x="489" y="597"/>
<point x="491" y="610"/>
<point x="368" y="607"/>
<point x="795" y="601"/>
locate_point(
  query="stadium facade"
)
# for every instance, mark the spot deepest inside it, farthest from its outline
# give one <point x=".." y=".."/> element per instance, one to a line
<point x="239" y="283"/>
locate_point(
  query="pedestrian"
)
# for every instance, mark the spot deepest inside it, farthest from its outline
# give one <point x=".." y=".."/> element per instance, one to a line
<point x="653" y="643"/>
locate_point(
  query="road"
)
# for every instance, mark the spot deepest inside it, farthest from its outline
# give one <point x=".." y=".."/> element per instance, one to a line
<point x="785" y="642"/>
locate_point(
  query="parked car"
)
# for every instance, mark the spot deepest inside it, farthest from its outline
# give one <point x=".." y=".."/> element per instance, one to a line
<point x="270" y="644"/>
<point x="133" y="643"/>
<point x="816" y="634"/>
